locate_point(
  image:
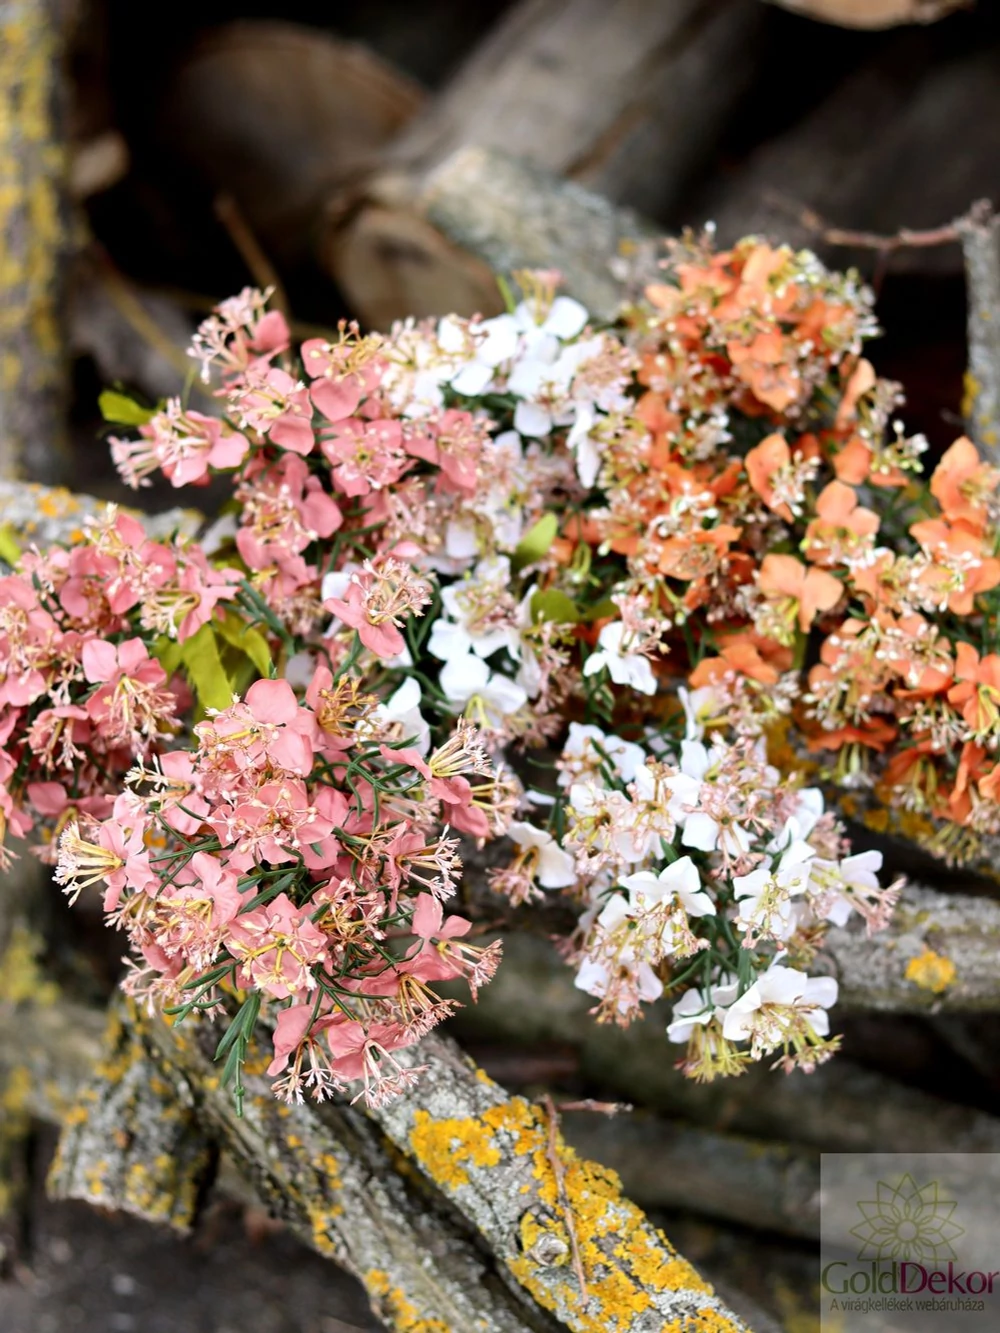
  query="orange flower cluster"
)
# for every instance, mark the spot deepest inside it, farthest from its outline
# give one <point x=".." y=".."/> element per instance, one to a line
<point x="766" y="507"/>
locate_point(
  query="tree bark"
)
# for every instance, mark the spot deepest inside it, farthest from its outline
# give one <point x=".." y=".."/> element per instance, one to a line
<point x="33" y="238"/>
<point x="980" y="232"/>
<point x="475" y="1231"/>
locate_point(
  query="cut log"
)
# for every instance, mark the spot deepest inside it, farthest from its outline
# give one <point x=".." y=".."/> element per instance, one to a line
<point x="873" y="13"/>
<point x="624" y="98"/>
<point x="33" y="174"/>
<point x="295" y="114"/>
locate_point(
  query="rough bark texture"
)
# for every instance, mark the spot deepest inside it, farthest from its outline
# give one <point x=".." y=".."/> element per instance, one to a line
<point x="488" y="1160"/>
<point x="959" y="928"/>
<point x="980" y="233"/>
<point x="132" y="1140"/>
<point x="494" y="1157"/>
<point x="33" y="370"/>
<point x="513" y="215"/>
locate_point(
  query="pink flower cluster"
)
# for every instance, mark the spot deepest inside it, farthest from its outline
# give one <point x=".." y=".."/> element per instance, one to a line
<point x="81" y="697"/>
<point x="297" y="853"/>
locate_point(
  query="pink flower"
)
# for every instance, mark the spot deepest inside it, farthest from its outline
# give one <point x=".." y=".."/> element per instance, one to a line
<point x="183" y="444"/>
<point x="439" y="958"/>
<point x="366" y="455"/>
<point x="342" y="372"/>
<point x="379" y="597"/>
<point x="285" y="509"/>
<point x="277" y="406"/>
<point x="460" y="440"/>
<point x="130" y="706"/>
<point x="278" y="947"/>
<point x="116" y="856"/>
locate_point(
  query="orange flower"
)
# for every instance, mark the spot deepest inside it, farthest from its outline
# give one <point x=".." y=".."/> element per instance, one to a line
<point x="853" y="462"/>
<point x="861" y="381"/>
<point x="841" y="525"/>
<point x="762" y="463"/>
<point x="970" y="768"/>
<point x="962" y="483"/>
<point x="740" y="655"/>
<point x="960" y="571"/>
<point x="874" y="734"/>
<point x="797" y="592"/>
<point x="976" y="693"/>
<point x="989" y="784"/>
<point x="763" y="367"/>
<point x="698" y="554"/>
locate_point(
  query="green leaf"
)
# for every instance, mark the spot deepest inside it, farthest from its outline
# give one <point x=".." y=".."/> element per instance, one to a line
<point x="554" y="605"/>
<point x="536" y="541"/>
<point x="601" y="609"/>
<point x="10" y="550"/>
<point x="248" y="640"/>
<point x="169" y="653"/>
<point x="121" y="410"/>
<point x="203" y="663"/>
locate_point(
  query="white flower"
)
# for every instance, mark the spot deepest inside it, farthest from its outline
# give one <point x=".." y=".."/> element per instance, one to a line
<point x="765" y="895"/>
<point x="496" y="341"/>
<point x="486" y="696"/>
<point x="696" y="1008"/>
<point x="532" y="419"/>
<point x="595" y="978"/>
<point x="624" y="668"/>
<point x="841" y="886"/>
<point x="700" y="706"/>
<point x="581" y="440"/>
<point x="625" y="757"/>
<point x="785" y="988"/>
<point x="589" y="801"/>
<point x="403" y="708"/>
<point x="465" y="602"/>
<point x="682" y="792"/>
<point x="565" y="318"/>
<point x="554" y="868"/>
<point x="680" y="880"/>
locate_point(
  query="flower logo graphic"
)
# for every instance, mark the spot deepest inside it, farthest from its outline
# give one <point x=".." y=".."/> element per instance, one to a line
<point x="907" y="1222"/>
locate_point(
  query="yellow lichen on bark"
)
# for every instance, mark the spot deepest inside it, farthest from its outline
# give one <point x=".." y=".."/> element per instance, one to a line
<point x="32" y="174"/>
<point x="626" y="1262"/>
<point x="394" y="1307"/>
<point x="931" y="971"/>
